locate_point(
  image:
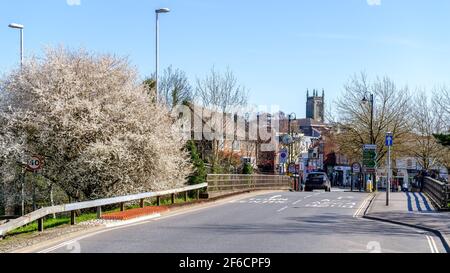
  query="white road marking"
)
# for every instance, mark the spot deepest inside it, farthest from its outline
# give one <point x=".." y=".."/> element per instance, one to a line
<point x="361" y="208"/>
<point x="432" y="244"/>
<point x="276" y="196"/>
<point x="296" y="202"/>
<point x="280" y="210"/>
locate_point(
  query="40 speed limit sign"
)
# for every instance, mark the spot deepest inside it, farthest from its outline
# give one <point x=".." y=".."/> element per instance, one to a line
<point x="35" y="163"/>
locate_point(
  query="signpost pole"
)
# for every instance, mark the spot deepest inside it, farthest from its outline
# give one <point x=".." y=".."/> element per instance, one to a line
<point x="389" y="176"/>
<point x="389" y="143"/>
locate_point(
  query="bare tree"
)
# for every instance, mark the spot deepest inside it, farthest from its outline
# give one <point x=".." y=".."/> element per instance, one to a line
<point x="220" y="93"/>
<point x="93" y="122"/>
<point x="425" y="121"/>
<point x="391" y="108"/>
<point x="175" y="87"/>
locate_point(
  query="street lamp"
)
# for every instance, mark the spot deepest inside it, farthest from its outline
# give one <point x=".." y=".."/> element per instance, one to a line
<point x="371" y="104"/>
<point x="20" y="27"/>
<point x="157" y="12"/>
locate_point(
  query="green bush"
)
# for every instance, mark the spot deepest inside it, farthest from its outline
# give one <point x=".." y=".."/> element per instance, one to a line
<point x="248" y="169"/>
<point x="199" y="175"/>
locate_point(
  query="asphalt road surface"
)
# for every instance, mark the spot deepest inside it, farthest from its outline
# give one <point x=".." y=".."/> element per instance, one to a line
<point x="288" y="222"/>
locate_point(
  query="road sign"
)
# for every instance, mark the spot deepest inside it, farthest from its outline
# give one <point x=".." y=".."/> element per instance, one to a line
<point x="389" y="140"/>
<point x="287" y="140"/>
<point x="370" y="158"/>
<point x="356" y="167"/>
<point x="35" y="163"/>
<point x="292" y="168"/>
<point x="284" y="155"/>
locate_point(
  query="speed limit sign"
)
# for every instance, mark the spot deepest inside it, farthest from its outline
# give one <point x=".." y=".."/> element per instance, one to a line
<point x="35" y="163"/>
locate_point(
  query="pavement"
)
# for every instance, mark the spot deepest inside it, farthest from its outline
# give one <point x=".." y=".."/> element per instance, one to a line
<point x="284" y="222"/>
<point x="412" y="209"/>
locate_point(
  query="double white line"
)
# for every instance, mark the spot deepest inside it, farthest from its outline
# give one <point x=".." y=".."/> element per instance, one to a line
<point x="362" y="207"/>
<point x="432" y="244"/>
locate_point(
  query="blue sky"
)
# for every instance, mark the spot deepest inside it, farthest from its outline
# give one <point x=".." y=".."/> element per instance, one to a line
<point x="277" y="49"/>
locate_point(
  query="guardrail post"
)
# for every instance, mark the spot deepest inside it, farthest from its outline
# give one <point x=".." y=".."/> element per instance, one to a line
<point x="198" y="194"/>
<point x="99" y="212"/>
<point x="73" y="218"/>
<point x="40" y="224"/>
<point x="158" y="201"/>
<point x="142" y="203"/>
<point x="173" y="198"/>
<point x="122" y="207"/>
<point x="186" y="196"/>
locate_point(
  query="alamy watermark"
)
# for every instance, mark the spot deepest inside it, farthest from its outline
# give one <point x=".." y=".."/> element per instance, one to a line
<point x="253" y="124"/>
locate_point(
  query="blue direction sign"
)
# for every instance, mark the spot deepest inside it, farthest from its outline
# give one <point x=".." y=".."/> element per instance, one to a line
<point x="284" y="156"/>
<point x="389" y="140"/>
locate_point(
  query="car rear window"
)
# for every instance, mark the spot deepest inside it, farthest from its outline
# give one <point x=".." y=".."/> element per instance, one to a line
<point x="315" y="175"/>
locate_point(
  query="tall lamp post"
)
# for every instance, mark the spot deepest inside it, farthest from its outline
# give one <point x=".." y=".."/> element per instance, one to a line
<point x="370" y="101"/>
<point x="20" y="27"/>
<point x="157" y="12"/>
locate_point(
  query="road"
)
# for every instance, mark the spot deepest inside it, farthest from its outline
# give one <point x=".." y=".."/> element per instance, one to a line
<point x="284" y="222"/>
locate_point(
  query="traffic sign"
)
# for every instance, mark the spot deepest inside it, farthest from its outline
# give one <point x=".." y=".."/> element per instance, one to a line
<point x="287" y="140"/>
<point x="370" y="158"/>
<point x="284" y="156"/>
<point x="35" y="163"/>
<point x="356" y="167"/>
<point x="389" y="140"/>
<point x="292" y="168"/>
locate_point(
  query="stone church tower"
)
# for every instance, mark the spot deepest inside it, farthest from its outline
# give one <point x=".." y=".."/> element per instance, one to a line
<point x="315" y="106"/>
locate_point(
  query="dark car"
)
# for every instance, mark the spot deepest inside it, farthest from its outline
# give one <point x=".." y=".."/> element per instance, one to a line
<point x="317" y="181"/>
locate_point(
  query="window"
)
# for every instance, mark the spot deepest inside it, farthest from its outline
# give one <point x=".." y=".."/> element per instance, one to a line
<point x="236" y="145"/>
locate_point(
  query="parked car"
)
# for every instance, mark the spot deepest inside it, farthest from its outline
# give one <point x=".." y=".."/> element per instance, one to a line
<point x="317" y="181"/>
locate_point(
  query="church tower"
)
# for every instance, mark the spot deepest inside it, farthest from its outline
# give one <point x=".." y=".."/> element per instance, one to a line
<point x="315" y="106"/>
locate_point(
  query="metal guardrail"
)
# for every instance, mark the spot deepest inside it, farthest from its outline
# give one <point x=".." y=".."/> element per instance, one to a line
<point x="40" y="214"/>
<point x="437" y="191"/>
<point x="232" y="183"/>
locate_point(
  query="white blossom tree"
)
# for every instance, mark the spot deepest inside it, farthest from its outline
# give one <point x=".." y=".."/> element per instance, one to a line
<point x="93" y="122"/>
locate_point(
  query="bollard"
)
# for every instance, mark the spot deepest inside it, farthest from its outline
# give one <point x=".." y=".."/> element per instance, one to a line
<point x="73" y="218"/>
<point x="99" y="212"/>
<point x="158" y="201"/>
<point x="40" y="224"/>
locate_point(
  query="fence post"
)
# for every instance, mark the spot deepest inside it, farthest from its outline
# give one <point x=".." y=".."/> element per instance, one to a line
<point x="73" y="219"/>
<point x="40" y="224"/>
<point x="99" y="212"/>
